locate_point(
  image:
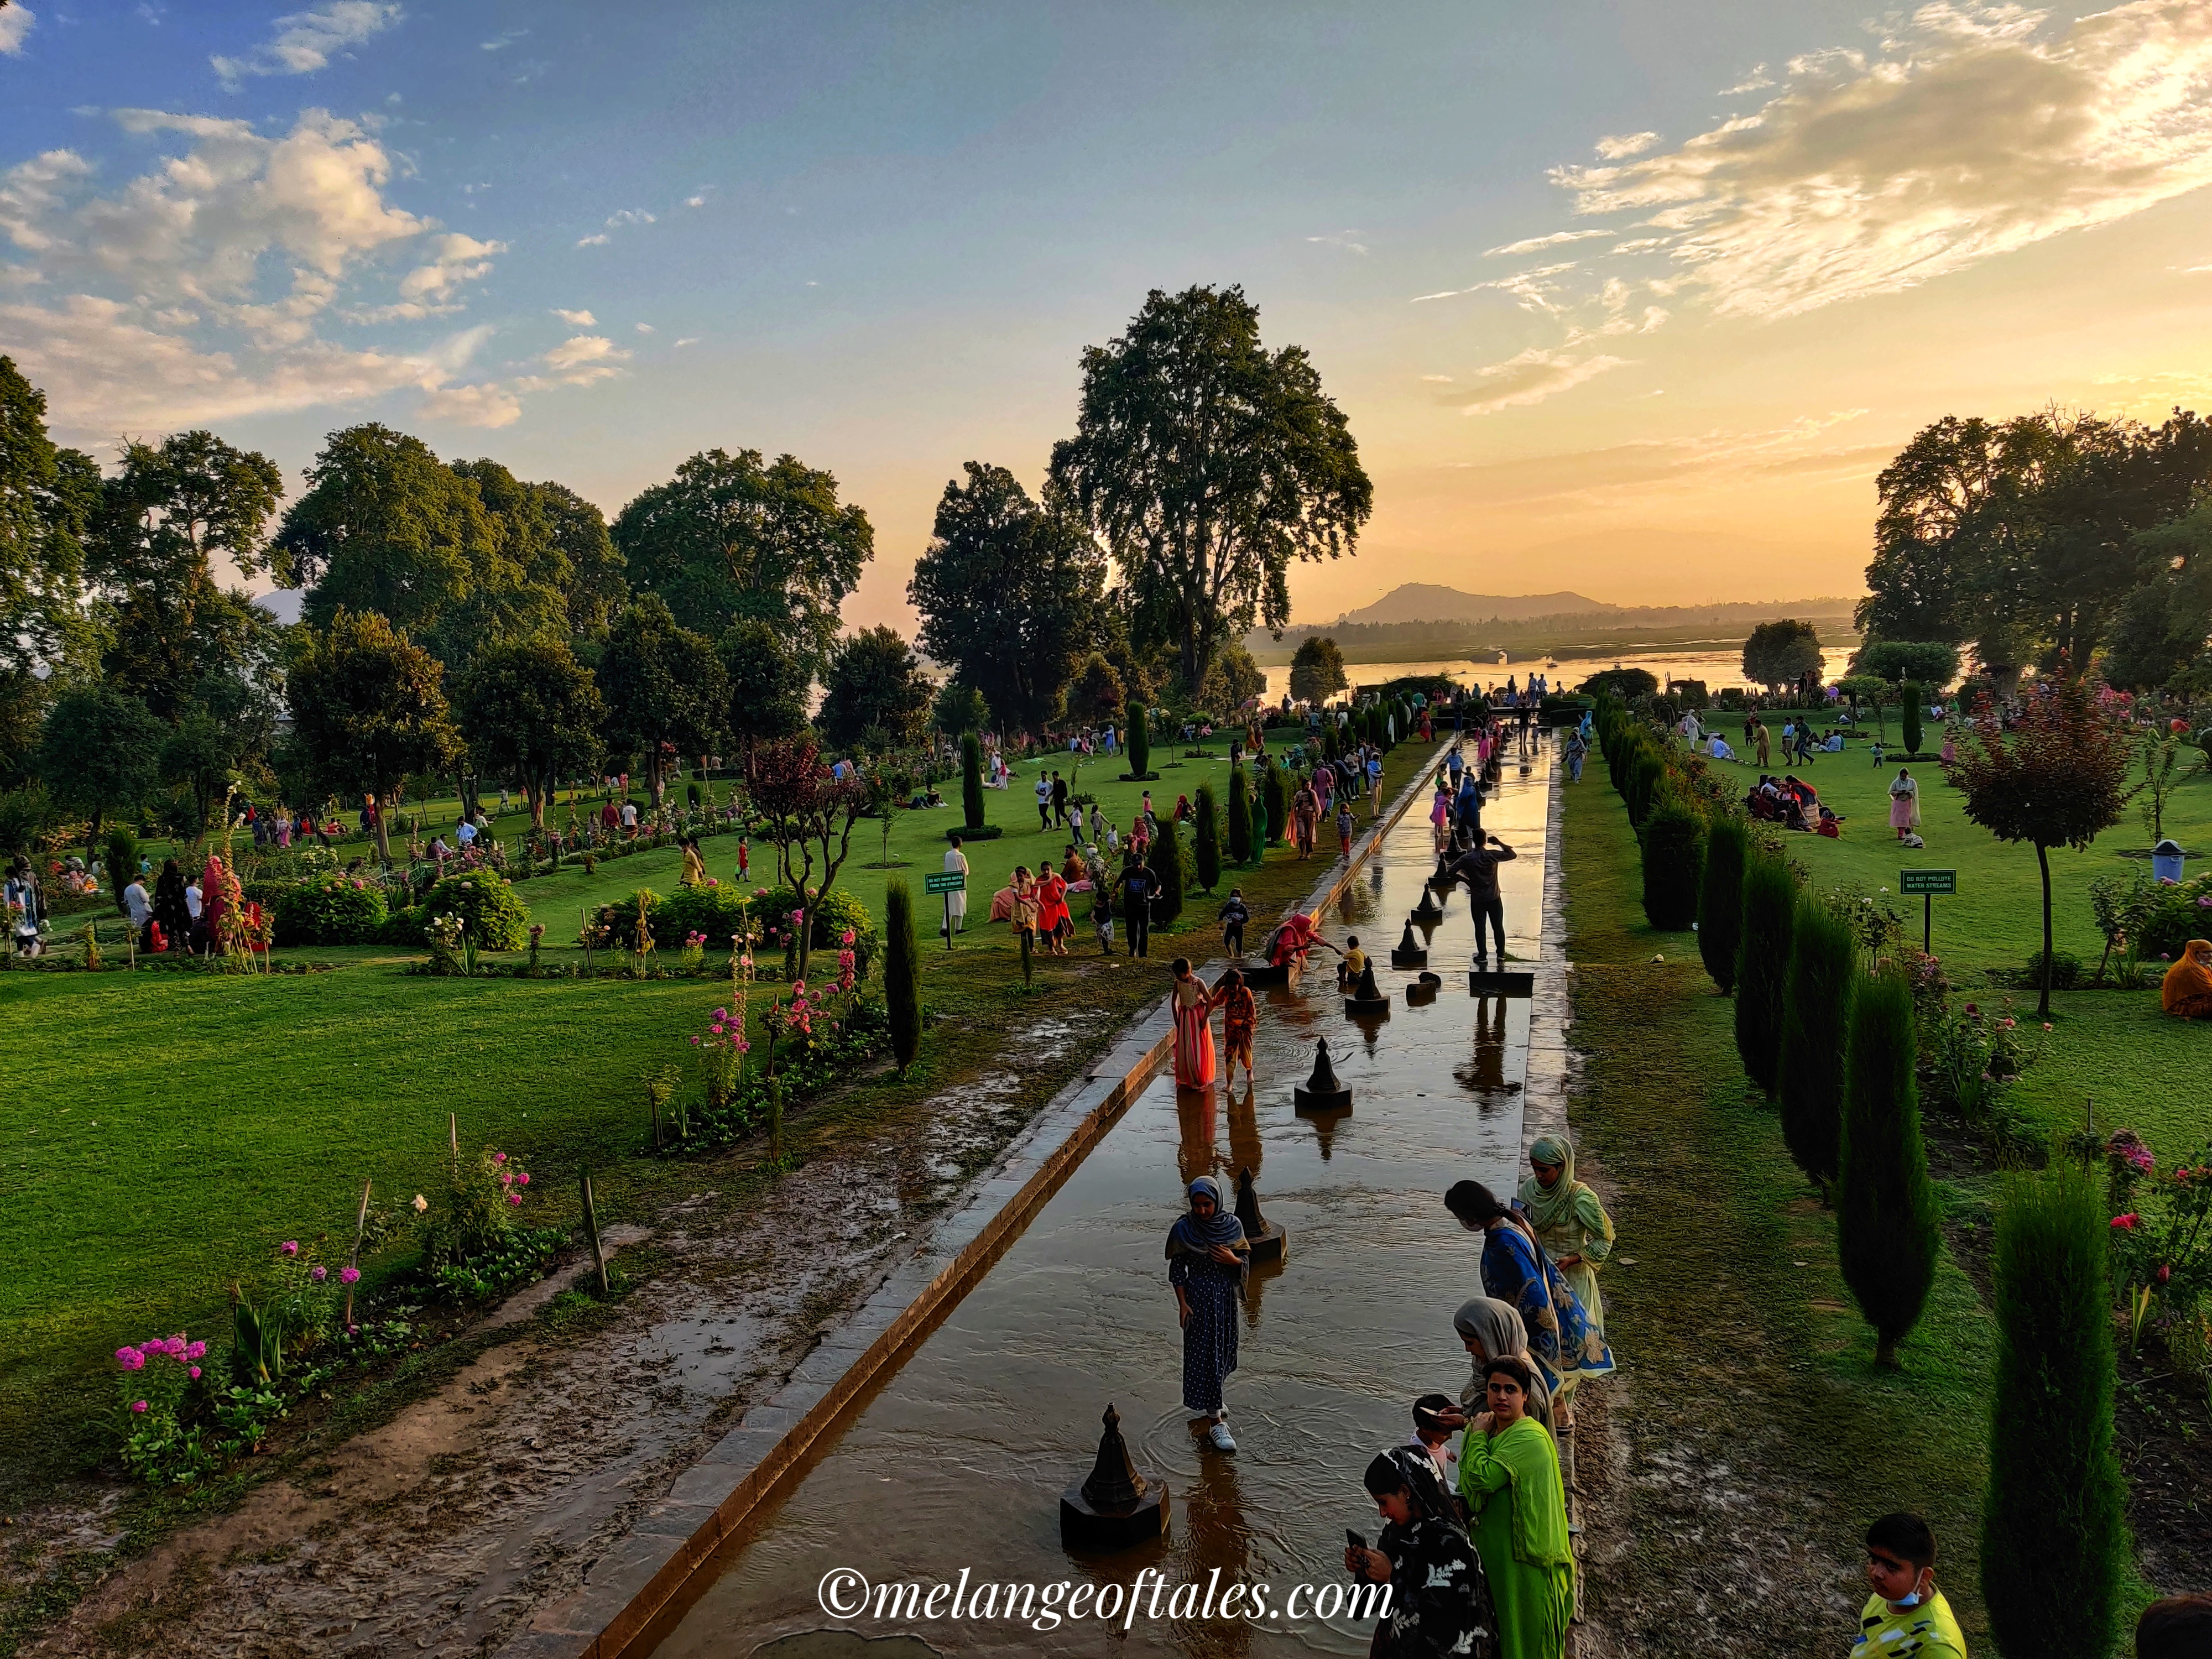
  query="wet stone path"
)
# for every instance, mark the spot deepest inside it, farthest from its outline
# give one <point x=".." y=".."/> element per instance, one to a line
<point x="958" y="1460"/>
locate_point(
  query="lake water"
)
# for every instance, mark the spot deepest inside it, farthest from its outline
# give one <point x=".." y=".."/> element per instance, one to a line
<point x="1716" y="665"/>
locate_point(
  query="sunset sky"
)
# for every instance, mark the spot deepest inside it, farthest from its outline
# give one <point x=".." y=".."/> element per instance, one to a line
<point x="1662" y="281"/>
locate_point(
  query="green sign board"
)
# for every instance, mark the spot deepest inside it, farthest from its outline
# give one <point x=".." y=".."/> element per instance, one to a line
<point x="952" y="881"/>
<point x="1928" y="881"/>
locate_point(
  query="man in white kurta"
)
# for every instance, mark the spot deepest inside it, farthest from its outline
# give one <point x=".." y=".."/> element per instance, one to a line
<point x="956" y="904"/>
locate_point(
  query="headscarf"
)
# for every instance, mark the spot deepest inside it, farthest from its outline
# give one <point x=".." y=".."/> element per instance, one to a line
<point x="1552" y="1206"/>
<point x="1192" y="1236"/>
<point x="1413" y="1472"/>
<point x="2189" y="976"/>
<point x="1497" y="1326"/>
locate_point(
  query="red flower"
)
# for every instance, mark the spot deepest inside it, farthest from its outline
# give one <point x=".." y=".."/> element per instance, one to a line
<point x="2126" y="1223"/>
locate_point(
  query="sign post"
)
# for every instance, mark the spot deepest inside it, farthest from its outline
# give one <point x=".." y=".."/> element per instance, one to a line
<point x="1927" y="883"/>
<point x="947" y="882"/>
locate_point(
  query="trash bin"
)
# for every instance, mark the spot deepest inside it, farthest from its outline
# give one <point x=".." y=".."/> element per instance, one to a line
<point x="2165" y="861"/>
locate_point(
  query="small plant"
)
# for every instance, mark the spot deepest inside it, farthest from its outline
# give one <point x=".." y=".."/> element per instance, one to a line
<point x="90" y="940"/>
<point x="478" y="1218"/>
<point x="722" y="1049"/>
<point x="157" y="1378"/>
<point x="536" y="937"/>
<point x="2065" y="970"/>
<point x="695" y="952"/>
<point x="445" y="934"/>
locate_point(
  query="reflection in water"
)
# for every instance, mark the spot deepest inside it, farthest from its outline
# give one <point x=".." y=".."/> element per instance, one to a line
<point x="959" y="1460"/>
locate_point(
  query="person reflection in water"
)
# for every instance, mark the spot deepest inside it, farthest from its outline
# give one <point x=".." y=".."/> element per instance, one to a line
<point x="1208" y="1256"/>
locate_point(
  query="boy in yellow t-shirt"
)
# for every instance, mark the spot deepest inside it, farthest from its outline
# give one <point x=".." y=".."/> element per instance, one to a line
<point x="1906" y="1617"/>
<point x="1354" y="963"/>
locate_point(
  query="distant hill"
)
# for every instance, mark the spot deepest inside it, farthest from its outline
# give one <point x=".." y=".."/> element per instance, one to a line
<point x="1414" y="602"/>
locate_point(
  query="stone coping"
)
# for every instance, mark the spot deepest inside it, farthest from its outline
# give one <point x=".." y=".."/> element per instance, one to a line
<point x="643" y="1574"/>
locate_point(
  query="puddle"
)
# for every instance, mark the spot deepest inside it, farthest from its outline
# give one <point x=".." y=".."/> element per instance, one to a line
<point x="958" y="1460"/>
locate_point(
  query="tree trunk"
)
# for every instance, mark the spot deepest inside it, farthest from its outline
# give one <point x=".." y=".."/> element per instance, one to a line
<point x="534" y="792"/>
<point x="2043" y="863"/>
<point x="653" y="780"/>
<point x="1885" y="1351"/>
<point x="383" y="827"/>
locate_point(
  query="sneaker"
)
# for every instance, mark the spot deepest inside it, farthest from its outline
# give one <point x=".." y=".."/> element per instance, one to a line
<point x="1219" y="1437"/>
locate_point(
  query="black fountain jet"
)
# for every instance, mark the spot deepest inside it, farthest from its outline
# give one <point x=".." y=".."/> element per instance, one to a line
<point x="1321" y="1092"/>
<point x="1408" y="953"/>
<point x="1267" y="1240"/>
<point x="1116" y="1507"/>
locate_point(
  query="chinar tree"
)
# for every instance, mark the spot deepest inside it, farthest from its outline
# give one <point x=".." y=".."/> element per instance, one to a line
<point x="1207" y="464"/>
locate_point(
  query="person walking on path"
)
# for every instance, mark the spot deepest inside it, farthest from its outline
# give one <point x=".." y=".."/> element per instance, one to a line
<point x="956" y="904"/>
<point x="1508" y="1474"/>
<point x="1571" y="1224"/>
<point x="1052" y="920"/>
<point x="1489" y="1327"/>
<point x="1234" y="915"/>
<point x="1346" y="824"/>
<point x="1207" y="1257"/>
<point x="1192" y="1006"/>
<point x="1440" y="817"/>
<point x="1240" y="1022"/>
<point x="1763" y="741"/>
<point x="1476" y="868"/>
<point x="1577" y="751"/>
<point x="1044" y="802"/>
<point x="1137" y="883"/>
<point x="1439" y="1603"/>
<point x="1903" y="803"/>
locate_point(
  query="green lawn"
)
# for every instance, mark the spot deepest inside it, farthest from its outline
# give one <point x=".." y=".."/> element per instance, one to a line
<point x="1994" y="920"/>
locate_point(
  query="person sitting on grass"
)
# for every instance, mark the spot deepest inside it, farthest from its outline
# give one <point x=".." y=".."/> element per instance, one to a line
<point x="1830" y="825"/>
<point x="1906" y="1613"/>
<point x="2186" y="991"/>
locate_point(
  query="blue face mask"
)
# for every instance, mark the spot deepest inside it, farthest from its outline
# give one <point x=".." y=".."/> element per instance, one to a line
<point x="1906" y="1602"/>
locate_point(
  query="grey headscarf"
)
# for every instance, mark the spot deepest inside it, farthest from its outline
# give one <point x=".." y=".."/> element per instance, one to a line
<point x="1498" y="1327"/>
<point x="1191" y="1237"/>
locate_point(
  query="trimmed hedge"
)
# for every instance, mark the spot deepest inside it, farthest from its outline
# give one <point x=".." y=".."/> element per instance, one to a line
<point x="1674" y="863"/>
<point x="1769" y="903"/>
<point x="492" y="915"/>
<point x="717" y="912"/>
<point x="1720" y="899"/>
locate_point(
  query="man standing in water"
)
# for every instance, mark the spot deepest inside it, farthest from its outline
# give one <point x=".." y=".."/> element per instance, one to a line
<point x="1476" y="868"/>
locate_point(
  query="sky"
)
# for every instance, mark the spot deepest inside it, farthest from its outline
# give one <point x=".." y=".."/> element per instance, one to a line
<point x="1633" y="298"/>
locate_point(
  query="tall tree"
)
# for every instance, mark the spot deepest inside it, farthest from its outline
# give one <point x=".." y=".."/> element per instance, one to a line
<point x="368" y="707"/>
<point x="1778" y="654"/>
<point x="875" y="685"/>
<point x="1317" y="670"/>
<point x="1208" y="465"/>
<point x="100" y="754"/>
<point x="664" y="690"/>
<point x="1008" y="590"/>
<point x="1815" y="1016"/>
<point x="1233" y="681"/>
<point x="2056" y="780"/>
<point x="530" y="712"/>
<point x="48" y="498"/>
<point x="766" y="687"/>
<point x="1095" y="695"/>
<point x="730" y="536"/>
<point x="594" y="587"/>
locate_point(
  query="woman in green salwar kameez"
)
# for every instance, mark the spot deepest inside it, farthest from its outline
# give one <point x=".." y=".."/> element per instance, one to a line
<point x="1508" y="1474"/>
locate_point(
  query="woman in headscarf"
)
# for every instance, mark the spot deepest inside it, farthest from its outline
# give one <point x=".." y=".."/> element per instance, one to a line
<point x="1570" y="1223"/>
<point x="1192" y="1005"/>
<point x="2186" y="990"/>
<point x="1207" y="1257"/>
<point x="1508" y="1474"/>
<point x="1903" y="803"/>
<point x="170" y="911"/>
<point x="1516" y="1271"/>
<point x="1490" y="1327"/>
<point x="1439" y="1603"/>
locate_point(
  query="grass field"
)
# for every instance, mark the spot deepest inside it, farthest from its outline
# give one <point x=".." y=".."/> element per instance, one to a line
<point x="165" y="1130"/>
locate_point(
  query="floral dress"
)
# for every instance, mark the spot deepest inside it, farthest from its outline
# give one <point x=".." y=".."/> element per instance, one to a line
<point x="1561" y="1339"/>
<point x="1209" y="1339"/>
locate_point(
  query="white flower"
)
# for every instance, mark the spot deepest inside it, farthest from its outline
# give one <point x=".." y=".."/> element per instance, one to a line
<point x="421" y="1204"/>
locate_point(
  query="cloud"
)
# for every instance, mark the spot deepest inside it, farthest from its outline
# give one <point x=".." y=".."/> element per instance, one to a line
<point x="645" y="328"/>
<point x="1538" y="244"/>
<point x="1625" y="144"/>
<point x="1530" y="377"/>
<point x="14" y="23"/>
<point x="628" y="216"/>
<point x="700" y="200"/>
<point x="583" y="358"/>
<point x="1534" y="289"/>
<point x="1757" y="81"/>
<point x="689" y="339"/>
<point x="1969" y="133"/>
<point x="306" y="41"/>
<point x="597" y="240"/>
<point x="575" y="318"/>
<point x="458" y="259"/>
<point x="1343" y="239"/>
<point x="1686" y="465"/>
<point x="489" y="404"/>
<point x="500" y="42"/>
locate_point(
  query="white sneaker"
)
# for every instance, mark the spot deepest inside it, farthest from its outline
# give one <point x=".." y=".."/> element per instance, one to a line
<point x="1218" y="1436"/>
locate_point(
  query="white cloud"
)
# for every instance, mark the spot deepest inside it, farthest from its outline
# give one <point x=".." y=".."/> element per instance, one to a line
<point x="596" y="241"/>
<point x="575" y="318"/>
<point x="306" y="41"/>
<point x="628" y="216"/>
<point x="458" y="259"/>
<point x="700" y="200"/>
<point x="1530" y="377"/>
<point x="689" y="339"/>
<point x="645" y="328"/>
<point x="500" y="42"/>
<point x="1343" y="239"/>
<point x="1617" y="145"/>
<point x="1971" y="132"/>
<point x="1538" y="244"/>
<point x="491" y="404"/>
<point x="1757" y="81"/>
<point x="583" y="358"/>
<point x="1535" y="290"/>
<point x="14" y="23"/>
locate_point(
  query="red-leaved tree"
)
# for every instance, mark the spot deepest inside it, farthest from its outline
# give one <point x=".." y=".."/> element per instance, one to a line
<point x="2055" y="780"/>
<point x="804" y="811"/>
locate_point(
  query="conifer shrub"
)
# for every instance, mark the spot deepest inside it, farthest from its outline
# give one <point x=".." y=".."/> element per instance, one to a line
<point x="1140" y="743"/>
<point x="1816" y="1002"/>
<point x="971" y="780"/>
<point x="1674" y="837"/>
<point x="1275" y="796"/>
<point x="1886" y="1210"/>
<point x="1207" y="822"/>
<point x="1720" y="898"/>
<point x="1769" y="903"/>
<point x="1165" y="861"/>
<point x="1240" y="817"/>
<point x="901" y="972"/>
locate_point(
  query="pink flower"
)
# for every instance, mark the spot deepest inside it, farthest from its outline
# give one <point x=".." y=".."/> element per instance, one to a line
<point x="130" y="1359"/>
<point x="514" y="1198"/>
<point x="138" y="1406"/>
<point x="2165" y="1272"/>
<point x="847" y="937"/>
<point x="499" y="1158"/>
<point x="319" y="1274"/>
<point x="290" y="1247"/>
<point x="196" y="1373"/>
<point x="1973" y="1012"/>
<point x="2126" y="1223"/>
<point x="349" y="1275"/>
<point x="522" y="1180"/>
<point x="2046" y="1025"/>
<point x="197" y="1351"/>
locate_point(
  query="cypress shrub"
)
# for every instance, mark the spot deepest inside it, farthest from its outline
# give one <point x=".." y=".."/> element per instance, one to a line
<point x="901" y="972"/>
<point x="1207" y="823"/>
<point x="1911" y="697"/>
<point x="1140" y="742"/>
<point x="1644" y="778"/>
<point x="1165" y="862"/>
<point x="1816" y="1006"/>
<point x="122" y="863"/>
<point x="1762" y="965"/>
<point x="1276" y="798"/>
<point x="2054" y="1532"/>
<point x="971" y="780"/>
<point x="1886" y="1232"/>
<point x="1674" y="863"/>
<point x="1720" y="899"/>
<point x="1240" y="817"/>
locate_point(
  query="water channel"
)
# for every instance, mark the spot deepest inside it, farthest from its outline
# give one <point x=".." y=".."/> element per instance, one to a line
<point x="959" y="1459"/>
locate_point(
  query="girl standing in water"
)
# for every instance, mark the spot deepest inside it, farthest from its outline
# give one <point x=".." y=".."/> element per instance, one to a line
<point x="1207" y="1257"/>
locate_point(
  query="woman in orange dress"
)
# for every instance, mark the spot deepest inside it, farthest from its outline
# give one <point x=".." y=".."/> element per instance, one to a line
<point x="1240" y="1019"/>
<point x="1053" y="924"/>
<point x="1193" y="1006"/>
<point x="2186" y="990"/>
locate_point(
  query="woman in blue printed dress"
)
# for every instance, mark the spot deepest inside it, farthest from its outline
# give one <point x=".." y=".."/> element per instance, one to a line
<point x="1566" y="1346"/>
<point x="1207" y="1257"/>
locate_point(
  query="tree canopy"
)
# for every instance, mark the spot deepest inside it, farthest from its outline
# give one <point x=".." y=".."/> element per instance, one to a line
<point x="1317" y="670"/>
<point x="664" y="689"/>
<point x="767" y="689"/>
<point x="1208" y="465"/>
<point x="876" y="689"/>
<point x="1008" y="590"/>
<point x="530" y="712"/>
<point x="48" y="497"/>
<point x="1778" y="654"/>
<point x="732" y="537"/>
<point x="99" y="752"/>
<point x="1927" y="662"/>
